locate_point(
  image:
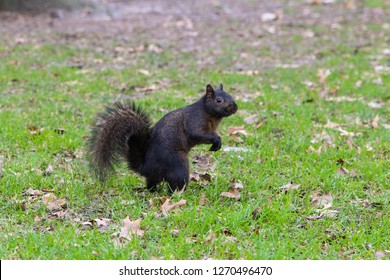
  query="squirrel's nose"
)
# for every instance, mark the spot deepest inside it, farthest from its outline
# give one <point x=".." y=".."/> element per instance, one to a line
<point x="234" y="107"/>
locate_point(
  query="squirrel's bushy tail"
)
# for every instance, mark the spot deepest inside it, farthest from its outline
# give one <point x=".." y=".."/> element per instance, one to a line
<point x="121" y="132"/>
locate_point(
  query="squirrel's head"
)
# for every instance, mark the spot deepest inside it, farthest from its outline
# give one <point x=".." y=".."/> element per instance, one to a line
<point x="218" y="102"/>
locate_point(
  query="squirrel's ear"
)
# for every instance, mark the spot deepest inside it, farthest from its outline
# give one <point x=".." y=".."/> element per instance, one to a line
<point x="220" y="86"/>
<point x="209" y="92"/>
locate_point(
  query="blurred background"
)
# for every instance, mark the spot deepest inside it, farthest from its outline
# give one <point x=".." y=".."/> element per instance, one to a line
<point x="233" y="35"/>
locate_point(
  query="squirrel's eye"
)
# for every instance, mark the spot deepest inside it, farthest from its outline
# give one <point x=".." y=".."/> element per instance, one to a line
<point x="219" y="99"/>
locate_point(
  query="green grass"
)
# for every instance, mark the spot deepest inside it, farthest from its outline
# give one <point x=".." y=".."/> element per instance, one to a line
<point x="48" y="103"/>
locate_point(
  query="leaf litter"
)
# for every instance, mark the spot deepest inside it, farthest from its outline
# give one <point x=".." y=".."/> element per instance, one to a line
<point x="325" y="202"/>
<point x="234" y="191"/>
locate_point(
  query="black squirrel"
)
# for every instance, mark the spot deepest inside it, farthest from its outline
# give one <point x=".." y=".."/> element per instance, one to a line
<point x="160" y="153"/>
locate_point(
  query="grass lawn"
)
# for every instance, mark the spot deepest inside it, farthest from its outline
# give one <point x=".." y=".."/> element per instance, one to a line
<point x="312" y="133"/>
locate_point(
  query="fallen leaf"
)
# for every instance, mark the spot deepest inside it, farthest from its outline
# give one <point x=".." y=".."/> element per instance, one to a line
<point x="308" y="83"/>
<point x="59" y="214"/>
<point x="32" y="192"/>
<point x="342" y="99"/>
<point x="102" y="224"/>
<point x="52" y="203"/>
<point x="196" y="177"/>
<point x="37" y="218"/>
<point x="211" y="237"/>
<point x="234" y="193"/>
<point x="203" y="199"/>
<point x="20" y="40"/>
<point x="322" y="74"/>
<point x="321" y="2"/>
<point x="251" y="119"/>
<point x="324" y="214"/>
<point x="237" y="185"/>
<point x="268" y="17"/>
<point x="290" y="186"/>
<point x="342" y="171"/>
<point x="175" y="233"/>
<point x="35" y="130"/>
<point x="375" y="122"/>
<point x="147" y="89"/>
<point x="330" y="124"/>
<point x="86" y="224"/>
<point x="49" y="170"/>
<point x="256" y="214"/>
<point x="130" y="228"/>
<point x="380" y="255"/>
<point x="308" y="34"/>
<point x="324" y="138"/>
<point x="154" y="48"/>
<point x="167" y="206"/>
<point x="144" y="72"/>
<point x="376" y="104"/>
<point x="235" y="149"/>
<point x="321" y="200"/>
<point x="204" y="163"/>
<point x="317" y="151"/>
<point x="233" y="130"/>
<point x="343" y="132"/>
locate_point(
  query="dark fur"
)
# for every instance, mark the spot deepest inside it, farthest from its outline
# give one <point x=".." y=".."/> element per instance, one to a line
<point x="159" y="153"/>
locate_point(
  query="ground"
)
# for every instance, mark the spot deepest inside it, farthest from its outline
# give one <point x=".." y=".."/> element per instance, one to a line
<point x="304" y="168"/>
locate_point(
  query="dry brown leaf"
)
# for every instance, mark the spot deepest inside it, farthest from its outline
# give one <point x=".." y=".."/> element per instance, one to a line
<point x="342" y="99"/>
<point x="380" y="255"/>
<point x="168" y="206"/>
<point x="49" y="170"/>
<point x="376" y="104"/>
<point x="154" y="48"/>
<point x="203" y="199"/>
<point x="321" y="2"/>
<point x="175" y="233"/>
<point x="321" y="200"/>
<point x="102" y="223"/>
<point x="130" y="228"/>
<point x="237" y="185"/>
<point x="32" y="192"/>
<point x="234" y="193"/>
<point x="147" y="89"/>
<point x="59" y="214"/>
<point x="204" y="162"/>
<point x="144" y="72"/>
<point x="322" y="74"/>
<point x="323" y="138"/>
<point x="268" y="17"/>
<point x="35" y="130"/>
<point x="251" y="119"/>
<point x="211" y="237"/>
<point x="375" y="122"/>
<point x="290" y="186"/>
<point x="233" y="130"/>
<point x="196" y="177"/>
<point x="324" y="214"/>
<point x="342" y="171"/>
<point x="52" y="203"/>
<point x="330" y="124"/>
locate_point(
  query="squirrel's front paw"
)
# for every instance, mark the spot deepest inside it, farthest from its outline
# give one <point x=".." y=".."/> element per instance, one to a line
<point x="217" y="144"/>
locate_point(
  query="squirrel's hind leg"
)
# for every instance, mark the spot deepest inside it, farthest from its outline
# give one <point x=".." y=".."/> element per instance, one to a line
<point x="151" y="184"/>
